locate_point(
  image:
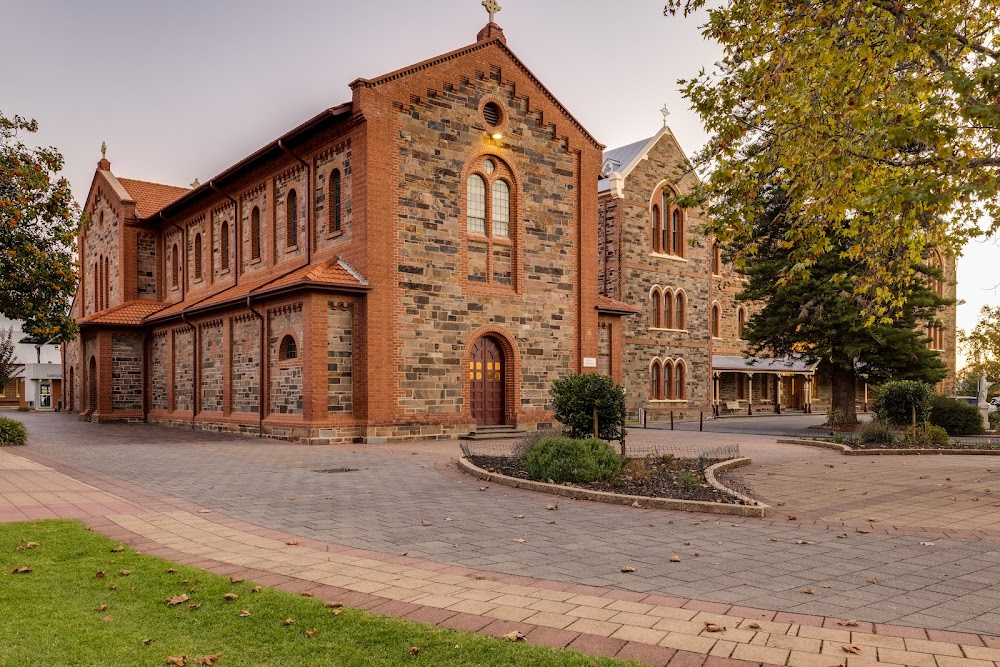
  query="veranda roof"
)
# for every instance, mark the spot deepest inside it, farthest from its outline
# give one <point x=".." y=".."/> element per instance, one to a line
<point x="762" y="365"/>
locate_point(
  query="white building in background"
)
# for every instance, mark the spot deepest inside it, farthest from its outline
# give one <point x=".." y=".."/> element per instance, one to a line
<point x="37" y="384"/>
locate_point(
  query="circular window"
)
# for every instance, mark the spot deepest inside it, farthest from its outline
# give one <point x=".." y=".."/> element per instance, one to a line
<point x="489" y="167"/>
<point x="492" y="114"/>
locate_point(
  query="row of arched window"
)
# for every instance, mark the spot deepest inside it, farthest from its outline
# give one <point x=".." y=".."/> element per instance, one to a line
<point x="668" y="233"/>
<point x="667" y="308"/>
<point x="716" y="321"/>
<point x="102" y="283"/>
<point x="668" y="380"/>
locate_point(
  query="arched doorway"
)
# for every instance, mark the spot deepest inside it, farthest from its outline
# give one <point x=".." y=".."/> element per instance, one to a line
<point x="488" y="382"/>
<point x="92" y="386"/>
<point x="71" y="394"/>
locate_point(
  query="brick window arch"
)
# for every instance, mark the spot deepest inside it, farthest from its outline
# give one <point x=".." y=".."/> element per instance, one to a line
<point x="937" y="284"/>
<point x="680" y="311"/>
<point x="255" y="233"/>
<point x="224" y="246"/>
<point x="668" y="309"/>
<point x="741" y="321"/>
<point x="656" y="308"/>
<point x="335" y="223"/>
<point x="668" y="379"/>
<point x="491" y="236"/>
<point x="656" y="380"/>
<point x="716" y="259"/>
<point x="669" y="234"/>
<point x="97" y="289"/>
<point x="656" y="231"/>
<point x="107" y="281"/>
<point x="716" y="321"/>
<point x="680" y="380"/>
<point x="292" y="218"/>
<point x="174" y="266"/>
<point x="197" y="256"/>
<point x="287" y="348"/>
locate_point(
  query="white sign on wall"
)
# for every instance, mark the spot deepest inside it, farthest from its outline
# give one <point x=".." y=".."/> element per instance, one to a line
<point x="590" y="362"/>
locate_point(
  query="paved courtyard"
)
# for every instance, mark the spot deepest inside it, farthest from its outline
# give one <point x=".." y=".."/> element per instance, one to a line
<point x="908" y="546"/>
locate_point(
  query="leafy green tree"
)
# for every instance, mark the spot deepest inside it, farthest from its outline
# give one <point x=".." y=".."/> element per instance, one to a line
<point x="903" y="402"/>
<point x="8" y="369"/>
<point x="982" y="348"/>
<point x="882" y="119"/>
<point x="820" y="317"/>
<point x="38" y="226"/>
<point x="574" y="399"/>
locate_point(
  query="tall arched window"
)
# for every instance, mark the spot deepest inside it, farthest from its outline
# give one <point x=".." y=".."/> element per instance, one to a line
<point x="97" y="288"/>
<point x="741" y="321"/>
<point x="174" y="266"/>
<point x="680" y="380"/>
<point x="476" y="204"/>
<point x="657" y="229"/>
<point x="224" y="246"/>
<point x="107" y="281"/>
<point x="716" y="259"/>
<point x="680" y="311"/>
<point x="292" y="219"/>
<point x="197" y="256"/>
<point x="668" y="379"/>
<point x="501" y="209"/>
<point x="716" y="321"/>
<point x="677" y="233"/>
<point x="335" y="219"/>
<point x="255" y="233"/>
<point x="937" y="284"/>
<point x="656" y="305"/>
<point x="668" y="310"/>
<point x="656" y="380"/>
<point x="99" y="291"/>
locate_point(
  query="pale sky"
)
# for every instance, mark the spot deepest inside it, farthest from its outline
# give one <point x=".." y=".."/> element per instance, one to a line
<point x="182" y="89"/>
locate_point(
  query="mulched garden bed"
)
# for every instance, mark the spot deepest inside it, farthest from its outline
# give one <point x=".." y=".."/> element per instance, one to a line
<point x="653" y="477"/>
<point x="853" y="444"/>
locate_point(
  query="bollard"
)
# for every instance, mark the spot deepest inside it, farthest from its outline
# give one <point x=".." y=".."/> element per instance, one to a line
<point x="701" y="420"/>
<point x="671" y="420"/>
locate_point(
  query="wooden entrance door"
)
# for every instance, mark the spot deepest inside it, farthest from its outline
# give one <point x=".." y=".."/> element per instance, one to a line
<point x="488" y="379"/>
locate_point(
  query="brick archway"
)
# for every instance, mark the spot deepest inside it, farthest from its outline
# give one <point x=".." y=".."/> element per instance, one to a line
<point x="92" y="386"/>
<point x="497" y="344"/>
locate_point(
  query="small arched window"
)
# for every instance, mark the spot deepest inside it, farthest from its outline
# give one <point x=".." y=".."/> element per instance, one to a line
<point x="668" y="310"/>
<point x="741" y="321"/>
<point x="107" y="281"/>
<point x="197" y="256"/>
<point x="501" y="209"/>
<point x="680" y="312"/>
<point x="657" y="229"/>
<point x="335" y="219"/>
<point x="716" y="259"/>
<point x="292" y="219"/>
<point x="477" y="204"/>
<point x="668" y="380"/>
<point x="677" y="233"/>
<point x="656" y="381"/>
<point x="255" y="233"/>
<point x="680" y="379"/>
<point x="287" y="349"/>
<point x="716" y="321"/>
<point x="174" y="266"/>
<point x="224" y="246"/>
<point x="97" y="289"/>
<point x="656" y="303"/>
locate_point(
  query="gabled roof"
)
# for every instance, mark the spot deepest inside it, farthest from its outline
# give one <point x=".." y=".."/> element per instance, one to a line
<point x="151" y="197"/>
<point x="131" y="313"/>
<point x="622" y="160"/>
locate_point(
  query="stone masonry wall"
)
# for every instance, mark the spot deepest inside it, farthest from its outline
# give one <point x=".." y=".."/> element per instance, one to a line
<point x="337" y="158"/>
<point x="439" y="308"/>
<point x="340" y="328"/>
<point x="146" y="266"/>
<point x="294" y="178"/>
<point x="286" y="376"/>
<point x="245" y="364"/>
<point x="183" y="369"/>
<point x="126" y="372"/>
<point x="159" y="367"/>
<point x="101" y="240"/>
<point x="210" y="366"/>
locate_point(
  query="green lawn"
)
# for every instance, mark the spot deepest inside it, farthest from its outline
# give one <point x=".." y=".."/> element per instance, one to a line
<point x="53" y="615"/>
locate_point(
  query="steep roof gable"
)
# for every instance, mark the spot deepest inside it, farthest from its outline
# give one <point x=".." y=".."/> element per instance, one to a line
<point x="151" y="197"/>
<point x="619" y="162"/>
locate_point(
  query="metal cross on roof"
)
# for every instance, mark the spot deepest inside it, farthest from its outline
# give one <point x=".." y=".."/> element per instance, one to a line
<point x="666" y="112"/>
<point x="104" y="150"/>
<point x="492" y="6"/>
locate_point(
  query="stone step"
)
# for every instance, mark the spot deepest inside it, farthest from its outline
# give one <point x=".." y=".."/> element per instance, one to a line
<point x="495" y="433"/>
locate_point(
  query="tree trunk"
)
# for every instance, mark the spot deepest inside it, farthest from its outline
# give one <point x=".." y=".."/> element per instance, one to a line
<point x="842" y="407"/>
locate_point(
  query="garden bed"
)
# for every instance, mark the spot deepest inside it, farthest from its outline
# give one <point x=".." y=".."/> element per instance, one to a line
<point x="650" y="477"/>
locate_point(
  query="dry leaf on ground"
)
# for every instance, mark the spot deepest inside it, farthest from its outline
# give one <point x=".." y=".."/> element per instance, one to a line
<point x="124" y="573"/>
<point x="244" y="613"/>
<point x="926" y="544"/>
<point x="289" y="621"/>
<point x="553" y="506"/>
<point x="851" y="649"/>
<point x="177" y="599"/>
<point x="103" y="607"/>
<point x="22" y="570"/>
<point x="626" y="568"/>
<point x="235" y="580"/>
<point x="180" y="662"/>
<point x="192" y="607"/>
<point x="414" y="650"/>
<point x="108" y="619"/>
<point x="518" y="516"/>
<point x="171" y="571"/>
<point x="514" y="636"/>
<point x="425" y="523"/>
<point x="99" y="575"/>
<point x="792" y="517"/>
<point x="335" y="605"/>
<point x="803" y="542"/>
<point x="208" y="659"/>
<point x="872" y="580"/>
<point x="292" y="543"/>
<point x="808" y="591"/>
<point x="753" y="626"/>
<point x="231" y="596"/>
<point x="714" y="627"/>
<point x="520" y="540"/>
<point x="848" y="623"/>
<point x="118" y="549"/>
<point x="255" y="589"/>
<point x="310" y="633"/>
<point x="675" y="559"/>
<point x="147" y="641"/>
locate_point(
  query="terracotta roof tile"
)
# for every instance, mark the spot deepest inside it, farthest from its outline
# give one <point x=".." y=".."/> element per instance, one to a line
<point x="151" y="197"/>
<point x="607" y="304"/>
<point x="132" y="313"/>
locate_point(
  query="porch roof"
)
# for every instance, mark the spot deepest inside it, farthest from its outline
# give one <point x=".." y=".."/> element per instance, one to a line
<point x="763" y="365"/>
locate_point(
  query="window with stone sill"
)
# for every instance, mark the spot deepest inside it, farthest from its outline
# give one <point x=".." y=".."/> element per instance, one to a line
<point x="291" y="219"/>
<point x="224" y="246"/>
<point x="490" y="245"/>
<point x="287" y="349"/>
<point x="335" y="223"/>
<point x="668" y="224"/>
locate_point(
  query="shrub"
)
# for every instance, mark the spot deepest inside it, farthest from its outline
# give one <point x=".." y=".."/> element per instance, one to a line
<point x="523" y="444"/>
<point x="898" y="400"/>
<point x="874" y="433"/>
<point x="12" y="432"/>
<point x="955" y="416"/>
<point x="573" y="401"/>
<point x="689" y="479"/>
<point x="937" y="435"/>
<point x="563" y="459"/>
<point x="995" y="420"/>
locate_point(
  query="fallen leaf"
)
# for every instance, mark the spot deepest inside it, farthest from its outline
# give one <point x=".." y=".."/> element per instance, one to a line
<point x="336" y="612"/>
<point x="171" y="571"/>
<point x="414" y="650"/>
<point x="480" y="577"/>
<point x="808" y="591"/>
<point x="697" y="554"/>
<point x="255" y="589"/>
<point x="483" y="488"/>
<point x="306" y="594"/>
<point x="863" y="531"/>
<point x="100" y="575"/>
<point x="848" y="623"/>
<point x="626" y="568"/>
<point x="714" y="627"/>
<point x="826" y="586"/>
<point x="310" y="633"/>
<point x="22" y="570"/>
<point x="118" y="549"/>
<point x="774" y="539"/>
<point x="203" y="511"/>
<point x="208" y="659"/>
<point x="235" y="580"/>
<point x="520" y="540"/>
<point x="518" y="516"/>
<point x="792" y="517"/>
<point x="926" y="544"/>
<point x="636" y="504"/>
<point x="754" y="626"/>
<point x="675" y="559"/>
<point x="842" y="536"/>
<point x="289" y="621"/>
<point x="334" y="605"/>
<point x="244" y="613"/>
<point x="113" y="587"/>
<point x="231" y="596"/>
<point x="177" y="599"/>
<point x="292" y="543"/>
<point x="872" y="580"/>
<point x="180" y="662"/>
<point x="514" y="636"/>
<point x="803" y="542"/>
<point x="147" y="642"/>
<point x="192" y="607"/>
<point x="448" y="518"/>
<point x="124" y="573"/>
<point x="103" y="607"/>
<point x="851" y="649"/>
<point x="425" y="523"/>
<point x="553" y="506"/>
<point x="108" y="619"/>
<point x="288" y="497"/>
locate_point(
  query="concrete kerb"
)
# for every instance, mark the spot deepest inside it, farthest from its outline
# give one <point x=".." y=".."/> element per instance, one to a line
<point x="757" y="510"/>
<point x="849" y="451"/>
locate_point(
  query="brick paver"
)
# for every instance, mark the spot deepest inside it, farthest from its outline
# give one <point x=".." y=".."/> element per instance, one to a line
<point x="232" y="505"/>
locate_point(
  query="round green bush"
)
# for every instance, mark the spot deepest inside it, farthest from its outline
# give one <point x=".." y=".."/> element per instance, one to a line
<point x="563" y="459"/>
<point x="937" y="435"/>
<point x="874" y="433"/>
<point x="955" y="416"/>
<point x="574" y="399"/>
<point x="12" y="432"/>
<point x="899" y="401"/>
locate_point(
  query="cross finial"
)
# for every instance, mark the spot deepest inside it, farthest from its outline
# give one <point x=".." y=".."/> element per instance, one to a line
<point x="492" y="6"/>
<point x="104" y="150"/>
<point x="666" y="112"/>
